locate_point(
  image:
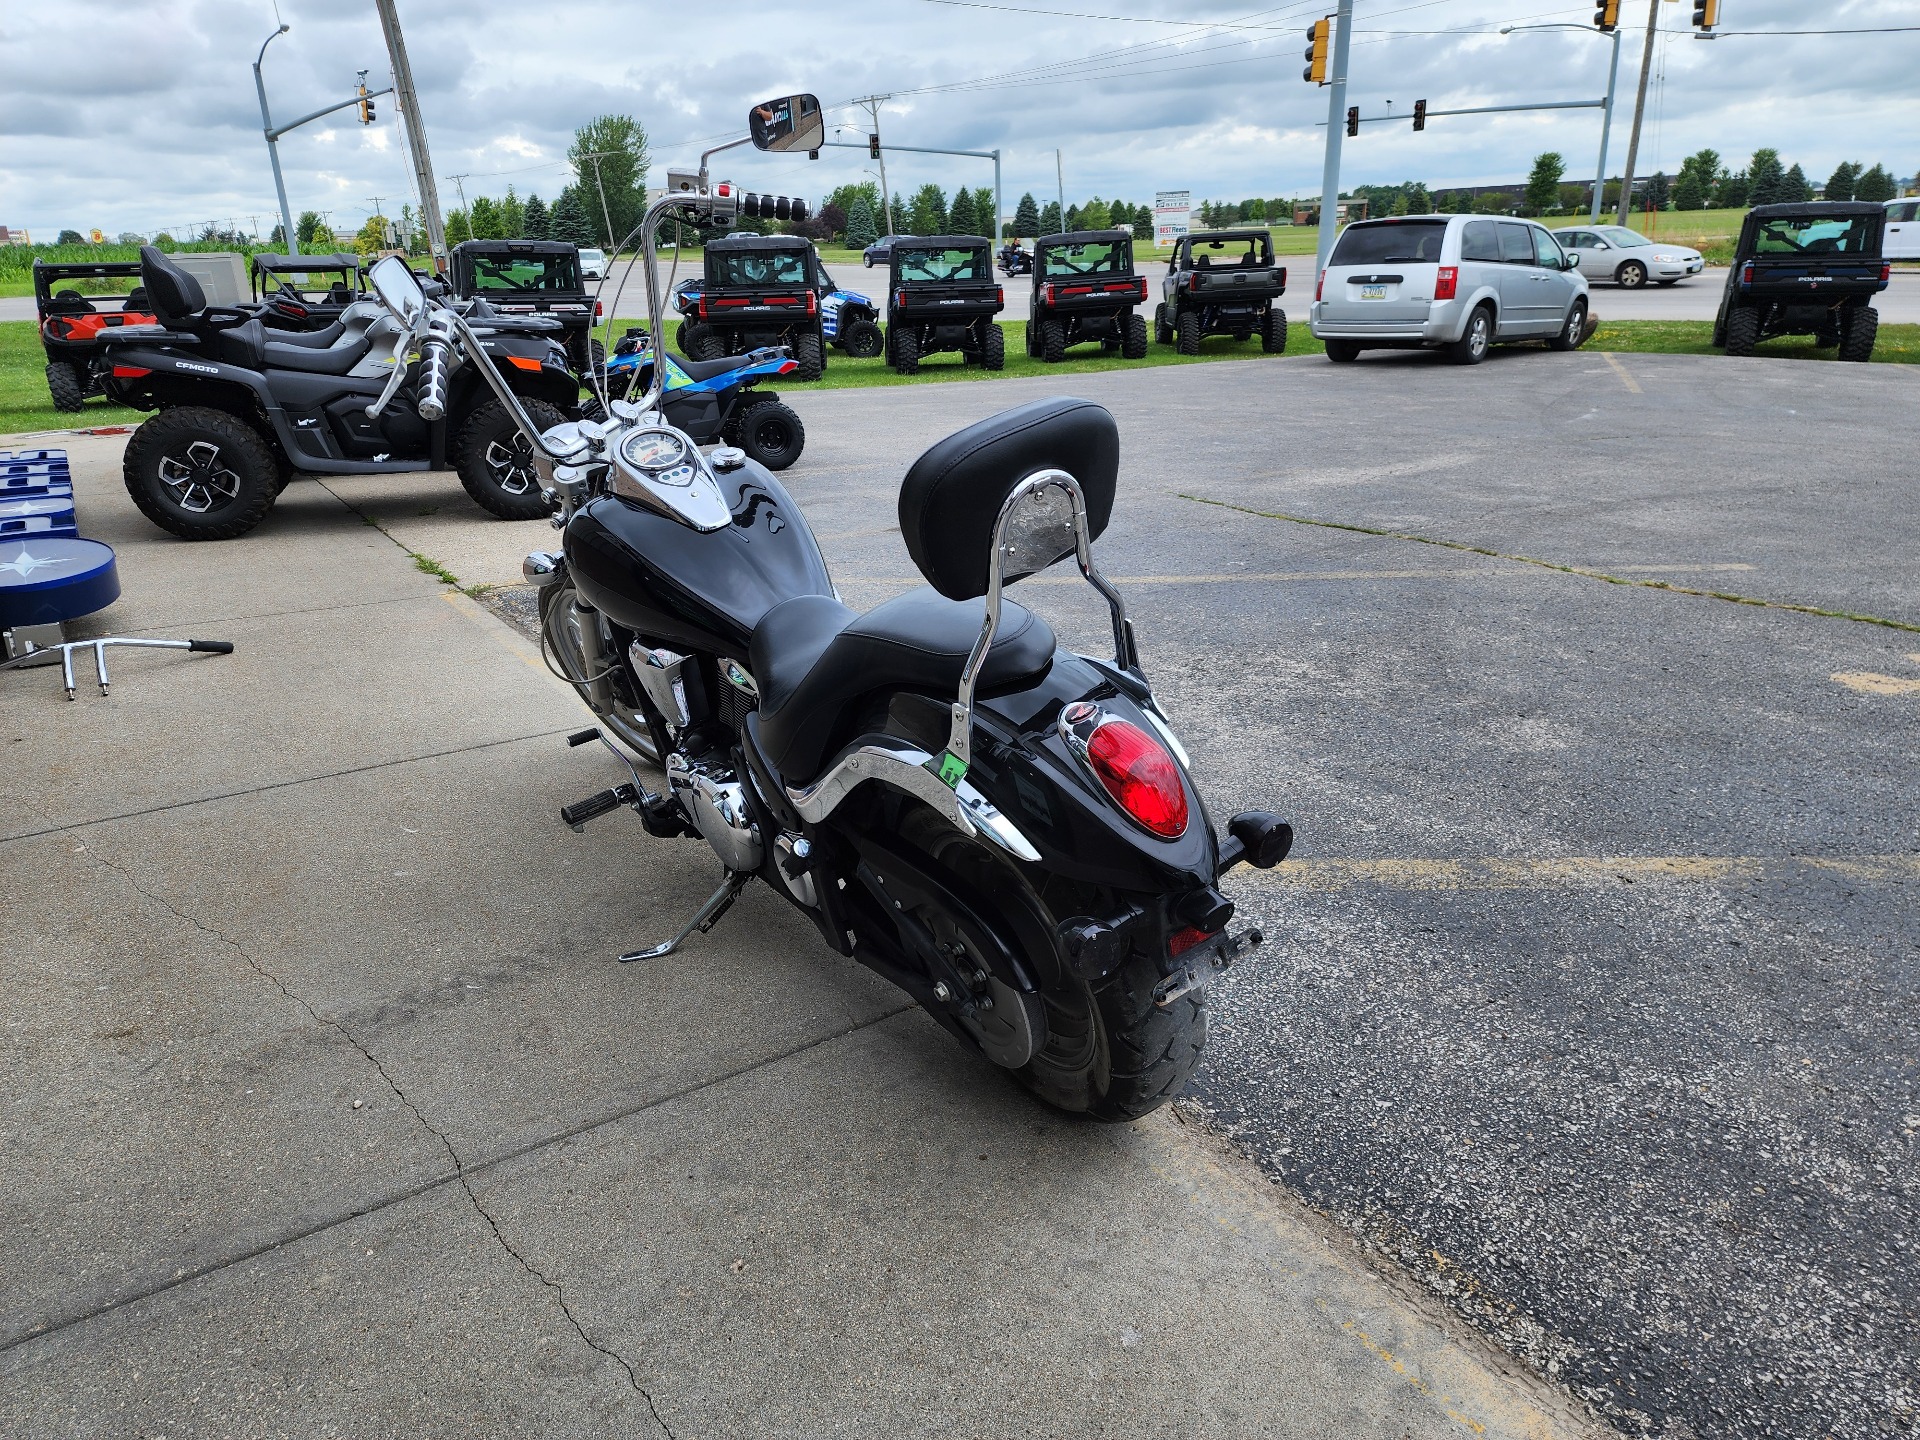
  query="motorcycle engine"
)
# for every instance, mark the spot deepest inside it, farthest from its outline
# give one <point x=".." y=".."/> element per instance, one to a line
<point x="717" y="805"/>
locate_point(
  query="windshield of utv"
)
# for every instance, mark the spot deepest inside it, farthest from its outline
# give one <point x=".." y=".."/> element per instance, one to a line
<point x="1096" y="257"/>
<point x="922" y="265"/>
<point x="748" y="268"/>
<point x="1812" y="235"/>
<point x="1243" y="253"/>
<point x="541" y="274"/>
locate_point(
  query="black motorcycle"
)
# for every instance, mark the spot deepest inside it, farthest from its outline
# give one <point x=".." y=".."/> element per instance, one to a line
<point x="1003" y="828"/>
<point x="242" y="409"/>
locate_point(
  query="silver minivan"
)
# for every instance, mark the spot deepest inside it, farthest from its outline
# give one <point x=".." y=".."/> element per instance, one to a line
<point x="1456" y="283"/>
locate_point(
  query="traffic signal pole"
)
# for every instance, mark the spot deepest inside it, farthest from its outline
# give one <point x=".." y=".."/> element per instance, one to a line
<point x="1336" y="129"/>
<point x="1639" y="111"/>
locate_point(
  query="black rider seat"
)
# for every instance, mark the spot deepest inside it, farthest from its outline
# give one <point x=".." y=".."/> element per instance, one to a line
<point x="308" y="339"/>
<point x="337" y="360"/>
<point x="707" y="369"/>
<point x="815" y="660"/>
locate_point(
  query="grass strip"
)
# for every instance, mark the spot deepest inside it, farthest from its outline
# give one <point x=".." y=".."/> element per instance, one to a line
<point x="1727" y="596"/>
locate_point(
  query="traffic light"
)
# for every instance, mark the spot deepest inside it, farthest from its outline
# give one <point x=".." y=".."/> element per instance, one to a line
<point x="873" y="147"/>
<point x="1606" y="16"/>
<point x="1319" y="36"/>
<point x="1706" y="14"/>
<point x="1419" y="114"/>
<point x="366" y="105"/>
<point x="1353" y="119"/>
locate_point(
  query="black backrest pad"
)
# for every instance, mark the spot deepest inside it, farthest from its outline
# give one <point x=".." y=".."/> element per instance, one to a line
<point x="952" y="496"/>
<point x="176" y="295"/>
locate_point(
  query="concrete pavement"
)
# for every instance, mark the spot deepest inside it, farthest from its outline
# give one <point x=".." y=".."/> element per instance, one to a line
<point x="327" y="1111"/>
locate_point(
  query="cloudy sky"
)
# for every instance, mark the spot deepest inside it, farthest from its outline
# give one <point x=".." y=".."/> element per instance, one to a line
<point x="142" y="116"/>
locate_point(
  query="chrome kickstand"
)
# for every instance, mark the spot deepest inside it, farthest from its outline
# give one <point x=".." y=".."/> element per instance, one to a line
<point x="704" y="919"/>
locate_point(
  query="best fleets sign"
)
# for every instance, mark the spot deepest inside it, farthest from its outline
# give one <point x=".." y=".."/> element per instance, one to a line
<point x="1171" y="210"/>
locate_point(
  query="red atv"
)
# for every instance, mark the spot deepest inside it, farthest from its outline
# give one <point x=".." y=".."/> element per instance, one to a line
<point x="71" y="323"/>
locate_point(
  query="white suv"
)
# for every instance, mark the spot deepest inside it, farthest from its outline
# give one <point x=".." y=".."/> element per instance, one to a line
<point x="1455" y="283"/>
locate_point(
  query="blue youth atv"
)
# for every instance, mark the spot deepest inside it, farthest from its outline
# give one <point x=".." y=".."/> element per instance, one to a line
<point x="714" y="401"/>
<point x="848" y="319"/>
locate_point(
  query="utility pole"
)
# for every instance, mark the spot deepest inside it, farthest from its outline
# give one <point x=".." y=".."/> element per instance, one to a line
<point x="460" y="185"/>
<point x="273" y="147"/>
<point x="1639" y="109"/>
<point x="872" y="105"/>
<point x="1060" y="186"/>
<point x="408" y="102"/>
<point x="596" y="157"/>
<point x="381" y="217"/>
<point x="1336" y="128"/>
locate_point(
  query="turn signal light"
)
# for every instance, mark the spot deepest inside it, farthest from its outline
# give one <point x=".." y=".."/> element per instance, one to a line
<point x="1447" y="283"/>
<point x="1140" y="775"/>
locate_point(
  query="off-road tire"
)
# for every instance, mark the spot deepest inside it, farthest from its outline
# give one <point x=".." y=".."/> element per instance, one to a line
<point x="680" y="338"/>
<point x="993" y="349"/>
<point x="811" y="356"/>
<point x="1162" y="327"/>
<point x="1187" y="331"/>
<point x="495" y="461"/>
<point x="1631" y="275"/>
<point x="1053" y="341"/>
<point x="703" y="343"/>
<point x="1569" y="336"/>
<point x="1826" y="337"/>
<point x="1857" y="331"/>
<point x="1134" y="347"/>
<point x="906" y="352"/>
<point x="1273" y="335"/>
<point x="1743" y="331"/>
<point x="67" y="386"/>
<point x="1475" y="341"/>
<point x="772" y="434"/>
<point x="1111" y="1053"/>
<point x="1343" y="352"/>
<point x="237" y="482"/>
<point x="597" y="353"/>
<point x="862" y="340"/>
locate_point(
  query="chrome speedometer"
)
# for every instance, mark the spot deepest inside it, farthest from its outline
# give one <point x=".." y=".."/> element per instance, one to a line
<point x="653" y="450"/>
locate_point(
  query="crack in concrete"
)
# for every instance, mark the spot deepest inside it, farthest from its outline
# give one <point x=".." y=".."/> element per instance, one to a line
<point x="459" y="1166"/>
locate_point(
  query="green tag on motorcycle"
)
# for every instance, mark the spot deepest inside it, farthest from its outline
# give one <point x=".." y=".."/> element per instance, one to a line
<point x="950" y="768"/>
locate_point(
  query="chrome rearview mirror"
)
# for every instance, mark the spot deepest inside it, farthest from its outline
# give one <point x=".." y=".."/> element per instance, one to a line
<point x="398" y="290"/>
<point x="793" y="122"/>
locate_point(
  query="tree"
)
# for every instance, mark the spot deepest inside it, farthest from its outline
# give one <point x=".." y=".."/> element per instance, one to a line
<point x="1049" y="218"/>
<point x="71" y="237"/>
<point x="483" y="217"/>
<point x="1543" y="185"/>
<point x="1765" y="177"/>
<point x="1143" y="224"/>
<point x="1795" y="190"/>
<point x="844" y="196"/>
<point x="983" y="207"/>
<point x="513" y="217"/>
<point x="132" y="237"/>
<point x="1658" y="190"/>
<point x="1730" y="193"/>
<point x="860" y="231"/>
<point x="1840" y="184"/>
<point x="372" y="238"/>
<point x="621" y="143"/>
<point x="1094" y="215"/>
<point x="1418" y="201"/>
<point x="961" y="220"/>
<point x="1026" y="216"/>
<point x="927" y="211"/>
<point x="535" y="222"/>
<point x="1400" y="204"/>
<point x="1875" y="186"/>
<point x="569" y="221"/>
<point x="1694" y="189"/>
<point x="310" y="228"/>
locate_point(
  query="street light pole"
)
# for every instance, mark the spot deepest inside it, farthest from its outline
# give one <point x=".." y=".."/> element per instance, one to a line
<point x="1606" y="110"/>
<point x="273" y="148"/>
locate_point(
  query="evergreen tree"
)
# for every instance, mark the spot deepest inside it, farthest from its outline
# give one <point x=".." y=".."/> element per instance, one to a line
<point x="1694" y="189"/>
<point x="534" y="222"/>
<point x="860" y="231"/>
<point x="1658" y="190"/>
<point x="983" y="208"/>
<point x="927" y="211"/>
<point x="1543" y="185"/>
<point x="1418" y="201"/>
<point x="1875" y="186"/>
<point x="1841" y="183"/>
<point x="1050" y="218"/>
<point x="1731" y="191"/>
<point x="309" y="230"/>
<point x="1026" y="217"/>
<point x="960" y="219"/>
<point x="513" y="217"/>
<point x="1765" y="178"/>
<point x="569" y="221"/>
<point x="1795" y="190"/>
<point x="1143" y="224"/>
<point x="1095" y="215"/>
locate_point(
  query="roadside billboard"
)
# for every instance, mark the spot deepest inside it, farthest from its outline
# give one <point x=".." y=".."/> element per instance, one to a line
<point x="1171" y="211"/>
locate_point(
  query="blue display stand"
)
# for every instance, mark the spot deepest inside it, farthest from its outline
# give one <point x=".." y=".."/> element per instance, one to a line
<point x="41" y="517"/>
<point x="45" y="580"/>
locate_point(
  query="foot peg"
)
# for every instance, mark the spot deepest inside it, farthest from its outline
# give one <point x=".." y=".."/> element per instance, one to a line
<point x="704" y="919"/>
<point x="594" y="806"/>
<point x="1197" y="966"/>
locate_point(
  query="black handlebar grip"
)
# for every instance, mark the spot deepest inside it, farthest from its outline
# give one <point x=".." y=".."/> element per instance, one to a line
<point x="212" y="647"/>
<point x="583" y="737"/>
<point x="590" y="808"/>
<point x="433" y="379"/>
<point x="773" y="207"/>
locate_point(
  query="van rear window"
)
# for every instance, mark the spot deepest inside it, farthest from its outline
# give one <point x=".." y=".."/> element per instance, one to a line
<point x="1410" y="242"/>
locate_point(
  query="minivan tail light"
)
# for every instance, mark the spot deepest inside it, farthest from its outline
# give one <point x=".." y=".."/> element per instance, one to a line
<point x="1446" y="284"/>
<point x="1140" y="775"/>
<point x="1320" y="288"/>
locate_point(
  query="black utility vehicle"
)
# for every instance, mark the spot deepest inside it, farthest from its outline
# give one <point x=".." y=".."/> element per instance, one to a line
<point x="760" y="290"/>
<point x="1222" y="282"/>
<point x="941" y="295"/>
<point x="527" y="277"/>
<point x="305" y="292"/>
<point x="72" y="323"/>
<point x="1809" y="269"/>
<point x="1084" y="289"/>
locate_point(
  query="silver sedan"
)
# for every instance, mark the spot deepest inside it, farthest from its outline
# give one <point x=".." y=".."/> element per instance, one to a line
<point x="1626" y="257"/>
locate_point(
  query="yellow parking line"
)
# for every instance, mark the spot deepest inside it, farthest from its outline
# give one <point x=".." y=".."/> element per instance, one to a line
<point x="1866" y="682"/>
<point x="1621" y="370"/>
<point x="1495" y="872"/>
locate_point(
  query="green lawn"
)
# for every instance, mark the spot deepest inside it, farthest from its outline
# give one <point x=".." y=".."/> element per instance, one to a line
<point x="24" y="402"/>
<point x="1896" y="344"/>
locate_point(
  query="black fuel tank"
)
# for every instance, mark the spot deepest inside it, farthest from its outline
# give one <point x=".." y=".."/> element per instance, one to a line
<point x="674" y="586"/>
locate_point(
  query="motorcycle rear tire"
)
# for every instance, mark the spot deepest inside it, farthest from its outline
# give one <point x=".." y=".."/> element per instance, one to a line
<point x="773" y="435"/>
<point x="495" y="462"/>
<point x="218" y="463"/>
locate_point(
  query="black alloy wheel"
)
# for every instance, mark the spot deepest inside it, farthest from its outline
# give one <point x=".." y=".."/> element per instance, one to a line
<point x="201" y="474"/>
<point x="495" y="460"/>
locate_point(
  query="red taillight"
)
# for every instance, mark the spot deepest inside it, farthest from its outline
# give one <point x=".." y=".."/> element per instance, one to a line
<point x="1746" y="273"/>
<point x="1046" y="293"/>
<point x="1447" y="283"/>
<point x="900" y="299"/>
<point x="702" y="308"/>
<point x="1886" y="272"/>
<point x="1320" y="288"/>
<point x="1140" y="775"/>
<point x="130" y="372"/>
<point x="1182" y="941"/>
<point x="1142" y="285"/>
<point x="598" y="310"/>
<point x="999" y="295"/>
<point x="813" y="303"/>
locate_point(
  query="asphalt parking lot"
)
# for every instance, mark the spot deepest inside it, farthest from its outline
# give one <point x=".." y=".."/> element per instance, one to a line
<point x="1590" y="1002"/>
<point x="1699" y="298"/>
